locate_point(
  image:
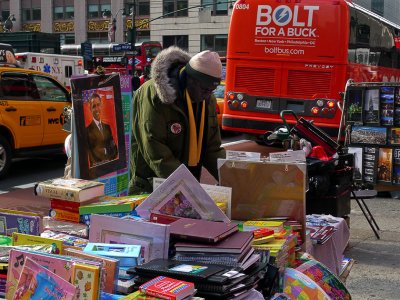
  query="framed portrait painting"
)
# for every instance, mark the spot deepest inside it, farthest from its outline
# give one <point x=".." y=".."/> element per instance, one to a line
<point x="99" y="123"/>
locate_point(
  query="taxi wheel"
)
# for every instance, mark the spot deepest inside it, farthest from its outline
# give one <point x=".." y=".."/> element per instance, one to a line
<point x="5" y="156"/>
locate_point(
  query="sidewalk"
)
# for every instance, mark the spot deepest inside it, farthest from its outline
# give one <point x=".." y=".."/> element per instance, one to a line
<point x="376" y="272"/>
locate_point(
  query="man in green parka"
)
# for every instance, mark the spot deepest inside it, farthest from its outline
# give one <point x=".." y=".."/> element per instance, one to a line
<point x="175" y="119"/>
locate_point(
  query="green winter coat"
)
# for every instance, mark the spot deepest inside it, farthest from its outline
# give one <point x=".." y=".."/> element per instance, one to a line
<point x="160" y="135"/>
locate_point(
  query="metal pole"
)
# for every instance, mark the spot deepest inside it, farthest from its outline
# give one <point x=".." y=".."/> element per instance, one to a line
<point x="133" y="41"/>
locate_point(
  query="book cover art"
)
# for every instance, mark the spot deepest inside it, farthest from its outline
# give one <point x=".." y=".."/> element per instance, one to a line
<point x="86" y="279"/>
<point x="64" y="215"/>
<point x="115" y="205"/>
<point x="371" y="107"/>
<point x="321" y="234"/>
<point x="355" y="105"/>
<point x="387" y="105"/>
<point x="72" y="228"/>
<point x="157" y="235"/>
<point x="128" y="255"/>
<point x="61" y="265"/>
<point x="385" y="165"/>
<point x="181" y="195"/>
<point x="358" y="161"/>
<point x="167" y="288"/>
<point x="20" y="239"/>
<point x="73" y="189"/>
<point x="368" y="135"/>
<point x="99" y="123"/>
<point x="394" y="136"/>
<point x="17" y="221"/>
<point x="37" y="282"/>
<point x="396" y="166"/>
<point x="110" y="266"/>
<point x="396" y="121"/>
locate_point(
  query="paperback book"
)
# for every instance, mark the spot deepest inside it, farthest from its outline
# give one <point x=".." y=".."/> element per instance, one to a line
<point x="321" y="234"/>
<point x="19" y="221"/>
<point x="127" y="255"/>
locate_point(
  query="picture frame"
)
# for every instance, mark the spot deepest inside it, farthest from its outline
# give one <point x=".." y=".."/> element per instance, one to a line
<point x="386" y="96"/>
<point x="396" y="121"/>
<point x="156" y="236"/>
<point x="99" y="152"/>
<point x="394" y="135"/>
<point x="368" y="135"/>
<point x="358" y="161"/>
<point x="354" y="101"/>
<point x="385" y="169"/>
<point x="371" y="107"/>
<point x="181" y="195"/>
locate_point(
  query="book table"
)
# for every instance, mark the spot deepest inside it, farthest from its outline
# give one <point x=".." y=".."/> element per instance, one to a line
<point x="331" y="252"/>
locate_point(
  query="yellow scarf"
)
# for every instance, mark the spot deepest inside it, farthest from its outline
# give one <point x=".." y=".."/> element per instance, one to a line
<point x="195" y="142"/>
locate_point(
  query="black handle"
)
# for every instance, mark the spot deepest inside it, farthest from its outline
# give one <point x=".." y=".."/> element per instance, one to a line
<point x="11" y="108"/>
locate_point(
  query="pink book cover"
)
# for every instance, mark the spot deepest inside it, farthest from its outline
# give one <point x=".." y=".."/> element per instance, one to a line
<point x="37" y="282"/>
<point x="59" y="265"/>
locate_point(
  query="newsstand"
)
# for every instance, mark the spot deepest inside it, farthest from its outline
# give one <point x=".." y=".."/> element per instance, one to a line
<point x="330" y="184"/>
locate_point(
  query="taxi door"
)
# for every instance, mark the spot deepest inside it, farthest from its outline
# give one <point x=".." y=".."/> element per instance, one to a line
<point x="53" y="98"/>
<point x="20" y="111"/>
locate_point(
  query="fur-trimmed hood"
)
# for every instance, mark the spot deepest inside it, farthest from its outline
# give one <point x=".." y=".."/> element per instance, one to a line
<point x="164" y="72"/>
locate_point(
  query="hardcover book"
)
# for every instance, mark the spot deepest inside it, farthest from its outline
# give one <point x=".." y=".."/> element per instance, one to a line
<point x="181" y="195"/>
<point x="67" y="239"/>
<point x="162" y="219"/>
<point x="37" y="282"/>
<point x="167" y="288"/>
<point x="276" y="226"/>
<point x="61" y="265"/>
<point x="20" y="239"/>
<point x="64" y="215"/>
<point x="114" y="229"/>
<point x="321" y="234"/>
<point x="124" y="204"/>
<point x="110" y="266"/>
<point x="384" y="174"/>
<point x="19" y="221"/>
<point x="234" y="243"/>
<point x="70" y="206"/>
<point x="201" y="230"/>
<point x="72" y="228"/>
<point x="87" y="279"/>
<point x="74" y="189"/>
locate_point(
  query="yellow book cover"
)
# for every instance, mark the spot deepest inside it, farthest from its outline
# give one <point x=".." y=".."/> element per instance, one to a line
<point x="64" y="215"/>
<point x="18" y="212"/>
<point x="87" y="279"/>
<point x="20" y="239"/>
<point x="263" y="240"/>
<point x="263" y="223"/>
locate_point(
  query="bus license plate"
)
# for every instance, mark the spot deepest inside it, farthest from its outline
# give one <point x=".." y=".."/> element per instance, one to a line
<point x="264" y="104"/>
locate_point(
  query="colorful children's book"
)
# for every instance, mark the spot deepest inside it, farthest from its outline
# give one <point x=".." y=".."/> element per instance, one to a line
<point x="74" y="189"/>
<point x="27" y="239"/>
<point x="19" y="221"/>
<point x="37" y="282"/>
<point x="110" y="266"/>
<point x="64" y="215"/>
<point x="67" y="239"/>
<point x="108" y="204"/>
<point x="61" y="265"/>
<point x="87" y="279"/>
<point x="72" y="228"/>
<point x="128" y="255"/>
<point x="167" y="288"/>
<point x="276" y="226"/>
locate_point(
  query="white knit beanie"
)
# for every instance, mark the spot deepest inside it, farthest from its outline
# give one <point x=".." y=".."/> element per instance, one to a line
<point x="205" y="66"/>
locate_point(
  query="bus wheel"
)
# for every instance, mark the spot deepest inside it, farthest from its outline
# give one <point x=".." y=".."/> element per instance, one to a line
<point x="5" y="156"/>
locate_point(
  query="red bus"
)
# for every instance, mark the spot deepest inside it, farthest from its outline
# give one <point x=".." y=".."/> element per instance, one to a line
<point x="298" y="55"/>
<point x="114" y="58"/>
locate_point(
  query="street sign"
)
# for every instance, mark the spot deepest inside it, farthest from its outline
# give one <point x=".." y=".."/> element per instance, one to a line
<point x="87" y="52"/>
<point x="122" y="47"/>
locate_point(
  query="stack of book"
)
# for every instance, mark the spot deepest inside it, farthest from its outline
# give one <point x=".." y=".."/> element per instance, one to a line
<point x="67" y="195"/>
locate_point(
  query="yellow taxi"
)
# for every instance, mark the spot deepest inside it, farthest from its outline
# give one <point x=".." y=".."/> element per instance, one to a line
<point x="219" y="93"/>
<point x="31" y="114"/>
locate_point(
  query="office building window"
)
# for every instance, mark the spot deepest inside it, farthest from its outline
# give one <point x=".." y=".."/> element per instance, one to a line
<point x="67" y="38"/>
<point x="4" y="15"/>
<point x="95" y="10"/>
<point x="377" y="6"/>
<point x="30" y="10"/>
<point x="217" y="8"/>
<point x="217" y="43"/>
<point x="63" y="12"/>
<point x="175" y="8"/>
<point x="142" y="8"/>
<point x="182" y="41"/>
<point x="98" y="37"/>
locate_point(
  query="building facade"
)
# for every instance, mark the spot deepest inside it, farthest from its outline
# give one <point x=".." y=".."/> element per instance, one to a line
<point x="191" y="24"/>
<point x="194" y="25"/>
